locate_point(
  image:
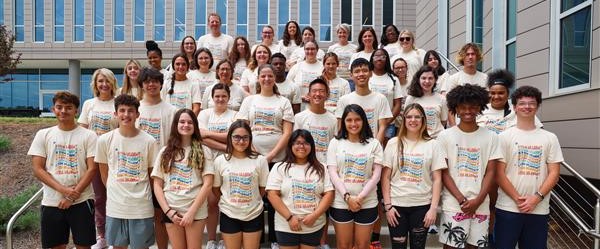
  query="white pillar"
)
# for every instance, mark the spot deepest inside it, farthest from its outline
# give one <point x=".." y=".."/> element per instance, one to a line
<point x="74" y="77"/>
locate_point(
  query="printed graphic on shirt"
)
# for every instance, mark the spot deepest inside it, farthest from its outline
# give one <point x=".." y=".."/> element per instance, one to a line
<point x="430" y="112"/>
<point x="264" y="119"/>
<point x="321" y="136"/>
<point x="307" y="77"/>
<point x="150" y="126"/>
<point x="128" y="166"/>
<point x="100" y="122"/>
<point x="370" y="112"/>
<point x="529" y="159"/>
<point x="216" y="50"/>
<point x="380" y="89"/>
<point x="180" y="178"/>
<point x="355" y="167"/>
<point x="412" y="170"/>
<point x="495" y="125"/>
<point x="219" y="127"/>
<point x="334" y="97"/>
<point x="66" y="159"/>
<point x="467" y="163"/>
<point x="240" y="187"/>
<point x="179" y="99"/>
<point x="303" y="194"/>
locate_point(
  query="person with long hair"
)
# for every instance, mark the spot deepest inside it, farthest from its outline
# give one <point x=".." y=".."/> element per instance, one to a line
<point x="267" y="35"/>
<point x="337" y="85"/>
<point x="225" y="76"/>
<point x="202" y="76"/>
<point x="183" y="177"/>
<point x="411" y="180"/>
<point x="240" y="57"/>
<point x="239" y="183"/>
<point x="215" y="121"/>
<point x="131" y="83"/>
<point x="301" y="192"/>
<point x="389" y="39"/>
<point x="385" y="82"/>
<point x="367" y="43"/>
<point x="308" y="35"/>
<point x="468" y="56"/>
<point x="409" y="52"/>
<point x="181" y="92"/>
<point x="260" y="56"/>
<point x="354" y="160"/>
<point x="343" y="49"/>
<point x="188" y="47"/>
<point x="291" y="39"/>
<point x="97" y="115"/>
<point x="218" y="43"/>
<point x="286" y="87"/>
<point x="303" y="72"/>
<point x="421" y="91"/>
<point x="433" y="59"/>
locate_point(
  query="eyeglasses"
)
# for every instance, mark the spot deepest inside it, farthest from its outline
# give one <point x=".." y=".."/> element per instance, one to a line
<point x="224" y="69"/>
<point x="379" y="57"/>
<point x="402" y="39"/>
<point x="407" y="117"/>
<point x="238" y="138"/>
<point x="523" y="104"/>
<point x="399" y="68"/>
<point x="301" y="144"/>
<point x="267" y="32"/>
<point x="431" y="59"/>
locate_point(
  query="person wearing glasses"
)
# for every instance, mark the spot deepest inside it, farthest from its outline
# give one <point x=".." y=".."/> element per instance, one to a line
<point x="267" y="39"/>
<point x="409" y="52"/>
<point x="225" y="76"/>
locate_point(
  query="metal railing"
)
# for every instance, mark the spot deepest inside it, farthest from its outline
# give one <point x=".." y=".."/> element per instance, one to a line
<point x="448" y="61"/>
<point x="13" y="219"/>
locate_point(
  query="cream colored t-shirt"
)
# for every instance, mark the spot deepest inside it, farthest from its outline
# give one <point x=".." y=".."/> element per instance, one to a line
<point x="361" y="54"/>
<point x="289" y="49"/>
<point x="354" y="162"/>
<point x="461" y="78"/>
<point x="182" y="184"/>
<point x="344" y="54"/>
<point x="236" y="96"/>
<point x="385" y="85"/>
<point x="274" y="47"/>
<point x="203" y="80"/>
<point x="527" y="154"/>
<point x="219" y="46"/>
<point x="411" y="184"/>
<point x="393" y="49"/>
<point x="65" y="153"/>
<point x="156" y="120"/>
<point x="302" y="74"/>
<point x="129" y="160"/>
<point x="238" y="69"/>
<point x="289" y="90"/>
<point x="301" y="192"/>
<point x="338" y="87"/>
<point x="495" y="120"/>
<point x="99" y="115"/>
<point x="414" y="59"/>
<point x="299" y="55"/>
<point x="134" y="91"/>
<point x="249" y="78"/>
<point x="185" y="93"/>
<point x="239" y="181"/>
<point x="209" y="120"/>
<point x="436" y="111"/>
<point x="322" y="127"/>
<point x="375" y="106"/>
<point x="468" y="155"/>
<point x="266" y="116"/>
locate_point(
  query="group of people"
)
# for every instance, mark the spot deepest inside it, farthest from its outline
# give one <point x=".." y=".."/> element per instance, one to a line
<point x="348" y="137"/>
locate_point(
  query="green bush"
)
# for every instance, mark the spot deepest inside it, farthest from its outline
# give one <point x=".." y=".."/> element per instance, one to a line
<point x="4" y="143"/>
<point x="10" y="205"/>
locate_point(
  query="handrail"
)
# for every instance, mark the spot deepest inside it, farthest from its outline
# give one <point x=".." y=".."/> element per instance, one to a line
<point x="574" y="67"/>
<point x="447" y="60"/>
<point x="581" y="179"/>
<point x="14" y="218"/>
<point x="582" y="226"/>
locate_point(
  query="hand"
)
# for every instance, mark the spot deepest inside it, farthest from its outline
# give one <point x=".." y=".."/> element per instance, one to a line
<point x="64" y="203"/>
<point x="528" y="203"/>
<point x="175" y="217"/>
<point x="305" y="99"/>
<point x="392" y="216"/>
<point x="470" y="206"/>
<point x="430" y="217"/>
<point x="71" y="192"/>
<point x="187" y="219"/>
<point x="270" y="157"/>
<point x="309" y="220"/>
<point x="294" y="224"/>
<point x="354" y="203"/>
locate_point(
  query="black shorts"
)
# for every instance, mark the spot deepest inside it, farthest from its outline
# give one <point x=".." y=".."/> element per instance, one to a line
<point x="231" y="225"/>
<point x="297" y="239"/>
<point x="365" y="216"/>
<point x="78" y="219"/>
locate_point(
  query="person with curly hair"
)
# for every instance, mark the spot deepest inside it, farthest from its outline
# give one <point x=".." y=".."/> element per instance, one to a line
<point x="389" y="39"/>
<point x="468" y="56"/>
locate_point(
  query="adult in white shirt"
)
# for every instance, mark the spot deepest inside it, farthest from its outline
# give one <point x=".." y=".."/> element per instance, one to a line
<point x="267" y="39"/>
<point x="286" y="87"/>
<point x="219" y="44"/>
<point x="421" y="91"/>
<point x="260" y="56"/>
<point x="389" y="39"/>
<point x="239" y="57"/>
<point x="188" y="47"/>
<point x="306" y="71"/>
<point x="308" y="35"/>
<point x="225" y="76"/>
<point x="291" y="39"/>
<point x="411" y="54"/>
<point x="202" y="76"/>
<point x="343" y="49"/>
<point x="180" y="91"/>
<point x="337" y="85"/>
<point x="367" y="43"/>
<point x="131" y="84"/>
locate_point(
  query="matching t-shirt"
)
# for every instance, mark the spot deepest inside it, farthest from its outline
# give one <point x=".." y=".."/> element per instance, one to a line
<point x="203" y="80"/>
<point x="495" y="120"/>
<point x="218" y="46"/>
<point x="99" y="115"/>
<point x="185" y="93"/>
<point x="302" y="74"/>
<point x="527" y="155"/>
<point x="210" y="120"/>
<point x="290" y="90"/>
<point x="156" y="120"/>
<point x="301" y="192"/>
<point x="338" y="87"/>
<point x="436" y="111"/>
<point x="388" y="85"/>
<point x="239" y="181"/>
<point x="129" y="161"/>
<point x="249" y="79"/>
<point x="374" y="104"/>
<point x="461" y="78"/>
<point x="414" y="59"/>
<point x="65" y="153"/>
<point x="322" y="127"/>
<point x="236" y="96"/>
<point x="344" y="54"/>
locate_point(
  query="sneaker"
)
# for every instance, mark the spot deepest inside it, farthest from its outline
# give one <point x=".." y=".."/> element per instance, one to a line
<point x="221" y="244"/>
<point x="433" y="229"/>
<point x="100" y="243"/>
<point x="211" y="244"/>
<point x="375" y="245"/>
<point x="274" y="245"/>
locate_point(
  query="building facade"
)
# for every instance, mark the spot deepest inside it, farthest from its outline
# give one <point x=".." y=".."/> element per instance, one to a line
<point x="550" y="44"/>
<point x="64" y="41"/>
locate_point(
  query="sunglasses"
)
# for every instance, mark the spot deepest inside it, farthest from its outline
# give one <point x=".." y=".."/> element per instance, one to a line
<point x="402" y="39"/>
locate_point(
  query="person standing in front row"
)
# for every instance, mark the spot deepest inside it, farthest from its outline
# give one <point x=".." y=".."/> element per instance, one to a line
<point x="63" y="160"/>
<point x="125" y="156"/>
<point x="529" y="171"/>
<point x="472" y="153"/>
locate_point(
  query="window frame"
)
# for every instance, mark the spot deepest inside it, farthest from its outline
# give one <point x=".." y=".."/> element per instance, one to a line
<point x="237" y="19"/>
<point x="362" y="11"/>
<point x="100" y="26"/>
<point x="395" y="7"/>
<point x="134" y="25"/>
<point x="114" y="25"/>
<point x="281" y="26"/>
<point x="175" y="25"/>
<point x="35" y="20"/>
<point x="302" y="25"/>
<point x="200" y="22"/>
<point x="75" y="25"/>
<point x="155" y="25"/>
<point x="223" y="17"/>
<point x="260" y="26"/>
<point x="331" y="31"/>
<point x="15" y="20"/>
<point x="54" y="18"/>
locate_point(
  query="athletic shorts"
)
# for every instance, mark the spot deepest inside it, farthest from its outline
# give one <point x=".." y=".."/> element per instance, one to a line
<point x="231" y="225"/>
<point x="135" y="233"/>
<point x="365" y="216"/>
<point x="56" y="224"/>
<point x="297" y="239"/>
<point x="459" y="229"/>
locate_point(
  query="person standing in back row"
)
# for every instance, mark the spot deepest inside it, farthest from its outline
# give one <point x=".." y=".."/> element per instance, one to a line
<point x="218" y="43"/>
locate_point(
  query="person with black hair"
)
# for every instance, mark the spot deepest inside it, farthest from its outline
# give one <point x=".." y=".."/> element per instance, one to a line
<point x="529" y="171"/>
<point x="385" y="82"/>
<point x="389" y="39"/>
<point x="181" y="92"/>
<point x="239" y="57"/>
<point x="291" y="39"/>
<point x="156" y="115"/>
<point x="367" y="43"/>
<point x="472" y="153"/>
<point x="218" y="43"/>
<point x="433" y="59"/>
<point x="155" y="56"/>
<point x="354" y="160"/>
<point x="421" y="91"/>
<point x="202" y="75"/>
<point x="300" y="190"/>
<point x="500" y="114"/>
<point x="286" y="87"/>
<point x="299" y="55"/>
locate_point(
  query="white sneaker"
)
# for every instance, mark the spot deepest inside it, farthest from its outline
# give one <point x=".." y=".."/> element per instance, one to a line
<point x="274" y="245"/>
<point x="100" y="243"/>
<point x="211" y="244"/>
<point x="221" y="244"/>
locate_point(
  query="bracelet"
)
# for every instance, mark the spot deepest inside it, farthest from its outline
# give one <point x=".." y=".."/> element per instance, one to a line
<point x="540" y="195"/>
<point x="289" y="218"/>
<point x="346" y="196"/>
<point x="463" y="201"/>
<point x="167" y="212"/>
<point x="389" y="208"/>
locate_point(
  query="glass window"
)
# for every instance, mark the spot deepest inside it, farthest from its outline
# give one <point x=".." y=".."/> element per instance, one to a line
<point x="304" y="11"/>
<point x="325" y="18"/>
<point x="262" y="19"/>
<point x="38" y="34"/>
<point x="241" y="27"/>
<point x="19" y="20"/>
<point x="477" y="27"/>
<point x="98" y="20"/>
<point x="159" y="20"/>
<point x="221" y="9"/>
<point x="179" y="20"/>
<point x="1" y="12"/>
<point x="511" y="52"/>
<point x="283" y="16"/>
<point x="200" y="22"/>
<point x="367" y="13"/>
<point x="79" y="24"/>
<point x="568" y="4"/>
<point x="575" y="41"/>
<point x="347" y="11"/>
<point x="388" y="12"/>
<point x="139" y="20"/>
<point x="511" y="19"/>
<point x="59" y="20"/>
<point x="118" y="20"/>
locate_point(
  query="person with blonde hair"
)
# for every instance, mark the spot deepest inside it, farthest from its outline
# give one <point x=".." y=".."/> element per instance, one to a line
<point x="409" y="52"/>
<point x="131" y="83"/>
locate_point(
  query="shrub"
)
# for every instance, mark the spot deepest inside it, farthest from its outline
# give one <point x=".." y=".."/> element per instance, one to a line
<point x="10" y="205"/>
<point x="4" y="143"/>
